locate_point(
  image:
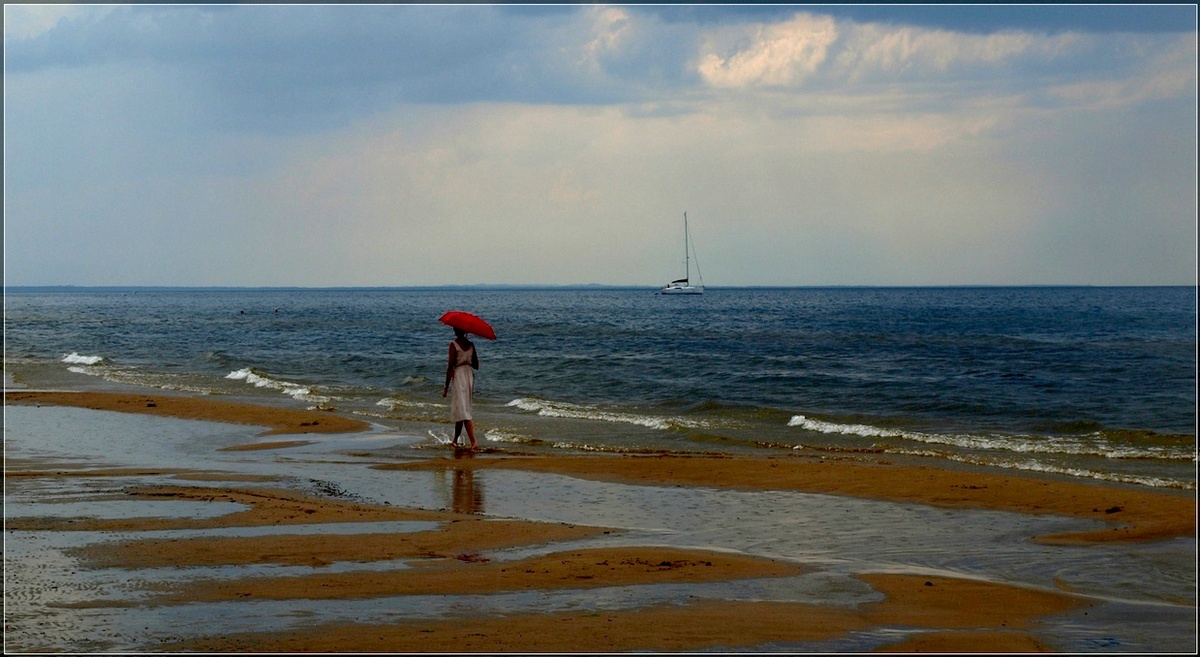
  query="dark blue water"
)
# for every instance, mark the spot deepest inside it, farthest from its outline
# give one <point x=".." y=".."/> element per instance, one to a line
<point x="1093" y="382"/>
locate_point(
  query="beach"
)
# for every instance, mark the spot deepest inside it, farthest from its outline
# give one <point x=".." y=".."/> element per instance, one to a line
<point x="227" y="540"/>
<point x="933" y="389"/>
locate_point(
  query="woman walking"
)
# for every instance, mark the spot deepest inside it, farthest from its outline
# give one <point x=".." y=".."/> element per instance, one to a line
<point x="460" y="375"/>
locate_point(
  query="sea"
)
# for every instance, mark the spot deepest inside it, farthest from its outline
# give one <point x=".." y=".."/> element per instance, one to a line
<point x="1091" y="383"/>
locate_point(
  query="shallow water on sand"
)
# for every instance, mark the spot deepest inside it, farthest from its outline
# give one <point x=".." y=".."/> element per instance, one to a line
<point x="1147" y="591"/>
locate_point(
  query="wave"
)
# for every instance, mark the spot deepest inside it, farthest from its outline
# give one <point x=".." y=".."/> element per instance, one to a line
<point x="1037" y="466"/>
<point x="408" y="409"/>
<point x="585" y="412"/>
<point x="392" y="404"/>
<point x="135" y="377"/>
<point x="865" y="430"/>
<point x="505" y="436"/>
<point x="295" y="390"/>
<point x="77" y="359"/>
<point x="496" y="435"/>
<point x="1093" y="444"/>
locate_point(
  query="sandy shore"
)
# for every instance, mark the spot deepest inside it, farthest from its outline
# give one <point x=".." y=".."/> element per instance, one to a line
<point x="958" y="615"/>
<point x="1134" y="514"/>
<point x="995" y="619"/>
<point x="275" y="420"/>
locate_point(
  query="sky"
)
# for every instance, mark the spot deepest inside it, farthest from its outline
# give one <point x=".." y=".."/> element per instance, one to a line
<point x="412" y="145"/>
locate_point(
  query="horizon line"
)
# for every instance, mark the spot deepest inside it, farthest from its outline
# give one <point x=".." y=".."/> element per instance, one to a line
<point x="566" y="286"/>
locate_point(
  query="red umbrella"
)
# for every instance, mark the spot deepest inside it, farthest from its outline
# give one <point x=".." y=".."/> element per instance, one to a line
<point x="469" y="323"/>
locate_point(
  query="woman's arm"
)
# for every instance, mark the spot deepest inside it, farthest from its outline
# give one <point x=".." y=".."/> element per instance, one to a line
<point x="449" y="370"/>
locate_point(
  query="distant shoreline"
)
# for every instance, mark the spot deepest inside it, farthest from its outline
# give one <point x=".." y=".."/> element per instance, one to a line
<point x="482" y="287"/>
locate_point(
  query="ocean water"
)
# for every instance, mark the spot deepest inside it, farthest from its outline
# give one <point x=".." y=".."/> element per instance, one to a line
<point x="1094" y="383"/>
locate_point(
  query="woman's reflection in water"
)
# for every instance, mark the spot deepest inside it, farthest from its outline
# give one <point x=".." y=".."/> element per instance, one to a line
<point x="467" y="495"/>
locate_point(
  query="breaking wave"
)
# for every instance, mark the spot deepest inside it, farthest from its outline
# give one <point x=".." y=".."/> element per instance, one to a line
<point x="295" y="390"/>
<point x="75" y="358"/>
<point x="1049" y="468"/>
<point x="585" y="412"/>
<point x="1091" y="444"/>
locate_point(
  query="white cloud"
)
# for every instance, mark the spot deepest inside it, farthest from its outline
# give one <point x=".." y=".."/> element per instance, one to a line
<point x="780" y="54"/>
<point x="610" y="27"/>
<point x="807" y="46"/>
<point x="879" y="49"/>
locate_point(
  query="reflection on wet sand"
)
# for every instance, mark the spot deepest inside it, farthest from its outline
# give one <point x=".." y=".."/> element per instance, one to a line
<point x="466" y="494"/>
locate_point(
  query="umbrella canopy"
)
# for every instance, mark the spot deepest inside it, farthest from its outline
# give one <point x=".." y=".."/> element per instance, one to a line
<point x="469" y="323"/>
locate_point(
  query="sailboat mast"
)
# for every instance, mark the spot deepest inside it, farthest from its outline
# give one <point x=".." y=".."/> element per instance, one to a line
<point x="687" y="270"/>
<point x="684" y="285"/>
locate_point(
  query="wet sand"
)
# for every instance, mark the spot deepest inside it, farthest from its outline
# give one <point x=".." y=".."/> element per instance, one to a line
<point x="276" y="420"/>
<point x="1134" y="514"/>
<point x="952" y="614"/>
<point x="995" y="619"/>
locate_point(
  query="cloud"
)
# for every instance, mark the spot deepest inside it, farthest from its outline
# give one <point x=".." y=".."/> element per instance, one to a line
<point x="281" y="69"/>
<point x="814" y="53"/>
<point x="1170" y="72"/>
<point x="285" y="68"/>
<point x="875" y="51"/>
<point x="780" y="54"/>
<point x="26" y="21"/>
<point x="611" y="27"/>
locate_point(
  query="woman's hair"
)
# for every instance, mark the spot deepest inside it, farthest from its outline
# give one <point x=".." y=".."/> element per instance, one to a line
<point x="460" y="333"/>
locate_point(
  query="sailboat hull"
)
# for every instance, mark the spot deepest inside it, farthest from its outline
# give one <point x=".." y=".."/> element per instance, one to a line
<point x="682" y="289"/>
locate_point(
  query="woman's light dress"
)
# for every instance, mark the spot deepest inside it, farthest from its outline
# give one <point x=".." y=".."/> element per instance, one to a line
<point x="463" y="383"/>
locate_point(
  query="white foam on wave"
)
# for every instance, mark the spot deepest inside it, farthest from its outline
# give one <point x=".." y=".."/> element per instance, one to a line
<point x="1036" y="466"/>
<point x="294" y="390"/>
<point x="133" y="376"/>
<point x="1030" y="465"/>
<point x="392" y="404"/>
<point x="78" y="359"/>
<point x="866" y="430"/>
<point x="583" y="412"/>
<point x="1090" y="445"/>
<point x="506" y="436"/>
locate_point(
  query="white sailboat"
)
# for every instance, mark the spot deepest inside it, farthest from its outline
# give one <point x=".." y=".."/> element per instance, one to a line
<point x="684" y="285"/>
